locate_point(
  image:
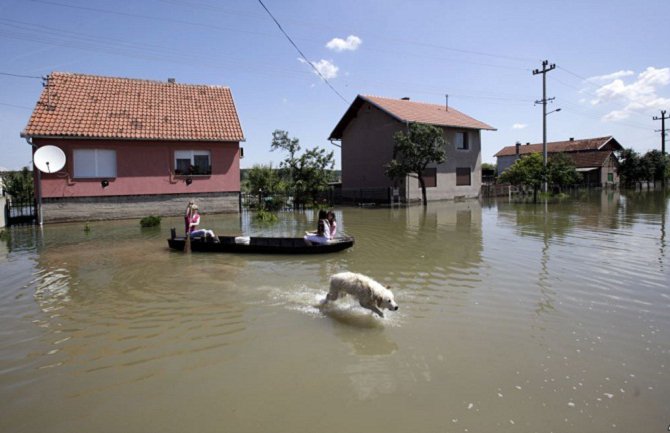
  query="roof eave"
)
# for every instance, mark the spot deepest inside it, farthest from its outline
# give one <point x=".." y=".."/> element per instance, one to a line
<point x="85" y="137"/>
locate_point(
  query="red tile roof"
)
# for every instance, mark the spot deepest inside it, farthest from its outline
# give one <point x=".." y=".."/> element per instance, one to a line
<point x="405" y="110"/>
<point x="586" y="144"/>
<point x="589" y="159"/>
<point x="77" y="105"/>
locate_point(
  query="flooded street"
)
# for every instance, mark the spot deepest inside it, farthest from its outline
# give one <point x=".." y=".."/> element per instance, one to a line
<point x="513" y="317"/>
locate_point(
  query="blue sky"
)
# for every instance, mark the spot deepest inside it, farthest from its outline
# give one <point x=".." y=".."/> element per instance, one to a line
<point x="612" y="65"/>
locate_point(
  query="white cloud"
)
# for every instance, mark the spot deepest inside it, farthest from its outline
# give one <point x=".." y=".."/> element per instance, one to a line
<point x="639" y="96"/>
<point x="350" y="44"/>
<point x="519" y="126"/>
<point x="326" y="68"/>
<point x="612" y="76"/>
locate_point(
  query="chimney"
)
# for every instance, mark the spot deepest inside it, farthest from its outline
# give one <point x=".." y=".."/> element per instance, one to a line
<point x="518" y="145"/>
<point x="171" y="80"/>
<point x="405" y="98"/>
<point x="572" y="138"/>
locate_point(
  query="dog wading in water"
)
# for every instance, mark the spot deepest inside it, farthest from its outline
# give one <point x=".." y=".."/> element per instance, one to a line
<point x="369" y="293"/>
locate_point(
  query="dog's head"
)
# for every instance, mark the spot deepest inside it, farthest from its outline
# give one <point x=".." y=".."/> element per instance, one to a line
<point x="387" y="301"/>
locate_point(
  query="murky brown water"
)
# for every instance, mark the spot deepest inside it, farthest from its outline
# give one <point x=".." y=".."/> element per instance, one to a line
<point x="512" y="318"/>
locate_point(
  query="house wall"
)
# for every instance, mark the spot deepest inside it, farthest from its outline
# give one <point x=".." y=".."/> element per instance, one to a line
<point x="70" y="209"/>
<point x="3" y="201"/>
<point x="143" y="168"/>
<point x="367" y="146"/>
<point x="610" y="166"/>
<point x="446" y="173"/>
<point x="144" y="183"/>
<point x="505" y="162"/>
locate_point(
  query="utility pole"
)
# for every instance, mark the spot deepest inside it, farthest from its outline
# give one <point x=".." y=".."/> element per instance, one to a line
<point x="546" y="67"/>
<point x="662" y="131"/>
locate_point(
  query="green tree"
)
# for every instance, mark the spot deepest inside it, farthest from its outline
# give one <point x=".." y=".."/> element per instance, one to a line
<point x="412" y="152"/>
<point x="654" y="166"/>
<point x="629" y="170"/>
<point x="561" y="171"/>
<point x="265" y="178"/>
<point x="489" y="167"/>
<point x="19" y="184"/>
<point x="526" y="171"/>
<point x="309" y="172"/>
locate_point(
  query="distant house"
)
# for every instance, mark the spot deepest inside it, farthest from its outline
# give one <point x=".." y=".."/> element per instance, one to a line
<point x="136" y="147"/>
<point x="366" y="133"/>
<point x="593" y="157"/>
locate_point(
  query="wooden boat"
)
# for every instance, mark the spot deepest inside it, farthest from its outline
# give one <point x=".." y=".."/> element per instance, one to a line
<point x="260" y="245"/>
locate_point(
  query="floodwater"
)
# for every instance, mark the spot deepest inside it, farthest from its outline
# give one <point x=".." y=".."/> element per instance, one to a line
<point x="513" y="318"/>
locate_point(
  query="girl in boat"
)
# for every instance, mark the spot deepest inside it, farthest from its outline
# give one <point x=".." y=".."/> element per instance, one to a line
<point x="194" y="221"/>
<point x="322" y="235"/>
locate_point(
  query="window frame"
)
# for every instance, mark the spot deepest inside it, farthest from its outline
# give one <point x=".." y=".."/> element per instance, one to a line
<point x="191" y="154"/>
<point x="104" y="163"/>
<point x="459" y="177"/>
<point x="465" y="142"/>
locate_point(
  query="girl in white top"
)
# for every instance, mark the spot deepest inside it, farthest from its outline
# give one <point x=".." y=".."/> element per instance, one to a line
<point x="323" y="230"/>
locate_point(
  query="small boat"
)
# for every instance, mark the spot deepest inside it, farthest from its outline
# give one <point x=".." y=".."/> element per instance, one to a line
<point x="259" y="245"/>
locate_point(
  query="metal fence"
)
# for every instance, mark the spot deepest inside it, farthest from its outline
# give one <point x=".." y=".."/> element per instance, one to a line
<point x="20" y="211"/>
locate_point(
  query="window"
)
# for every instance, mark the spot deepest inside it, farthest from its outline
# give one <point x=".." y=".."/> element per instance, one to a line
<point x="192" y="162"/>
<point x="462" y="176"/>
<point x="461" y="140"/>
<point x="610" y="177"/>
<point x="430" y="177"/>
<point x="94" y="163"/>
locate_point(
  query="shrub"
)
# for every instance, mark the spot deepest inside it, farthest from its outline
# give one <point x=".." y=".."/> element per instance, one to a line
<point x="264" y="216"/>
<point x="150" y="221"/>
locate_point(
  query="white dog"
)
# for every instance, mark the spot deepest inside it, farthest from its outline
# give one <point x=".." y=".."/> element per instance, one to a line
<point x="369" y="293"/>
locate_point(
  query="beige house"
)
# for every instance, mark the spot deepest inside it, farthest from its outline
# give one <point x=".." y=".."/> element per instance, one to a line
<point x="594" y="158"/>
<point x="366" y="134"/>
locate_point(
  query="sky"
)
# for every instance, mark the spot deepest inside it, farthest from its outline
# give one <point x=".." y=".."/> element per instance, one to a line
<point x="612" y="74"/>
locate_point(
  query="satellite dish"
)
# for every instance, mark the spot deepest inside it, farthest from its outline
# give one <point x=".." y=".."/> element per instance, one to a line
<point x="49" y="159"/>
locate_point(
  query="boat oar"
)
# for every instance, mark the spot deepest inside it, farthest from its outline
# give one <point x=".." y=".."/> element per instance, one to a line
<point x="187" y="243"/>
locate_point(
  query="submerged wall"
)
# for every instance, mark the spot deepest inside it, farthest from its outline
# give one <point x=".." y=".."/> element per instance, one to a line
<point x="70" y="209"/>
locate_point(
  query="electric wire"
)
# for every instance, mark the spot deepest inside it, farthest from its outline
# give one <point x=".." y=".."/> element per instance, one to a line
<point x="20" y="75"/>
<point x="325" y="80"/>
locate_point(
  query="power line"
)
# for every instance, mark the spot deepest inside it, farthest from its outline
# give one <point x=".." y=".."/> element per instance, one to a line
<point x="302" y="54"/>
<point x="20" y="75"/>
<point x="15" y="106"/>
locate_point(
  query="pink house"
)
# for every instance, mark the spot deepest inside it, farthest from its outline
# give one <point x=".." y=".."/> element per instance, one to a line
<point x="136" y="147"/>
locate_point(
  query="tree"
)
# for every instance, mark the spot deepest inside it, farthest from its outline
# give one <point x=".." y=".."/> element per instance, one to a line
<point x="629" y="169"/>
<point x="265" y="178"/>
<point x="308" y="173"/>
<point x="489" y="167"/>
<point x="561" y="171"/>
<point x="654" y="166"/>
<point x="412" y="152"/>
<point x="526" y="171"/>
<point x="19" y="184"/>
